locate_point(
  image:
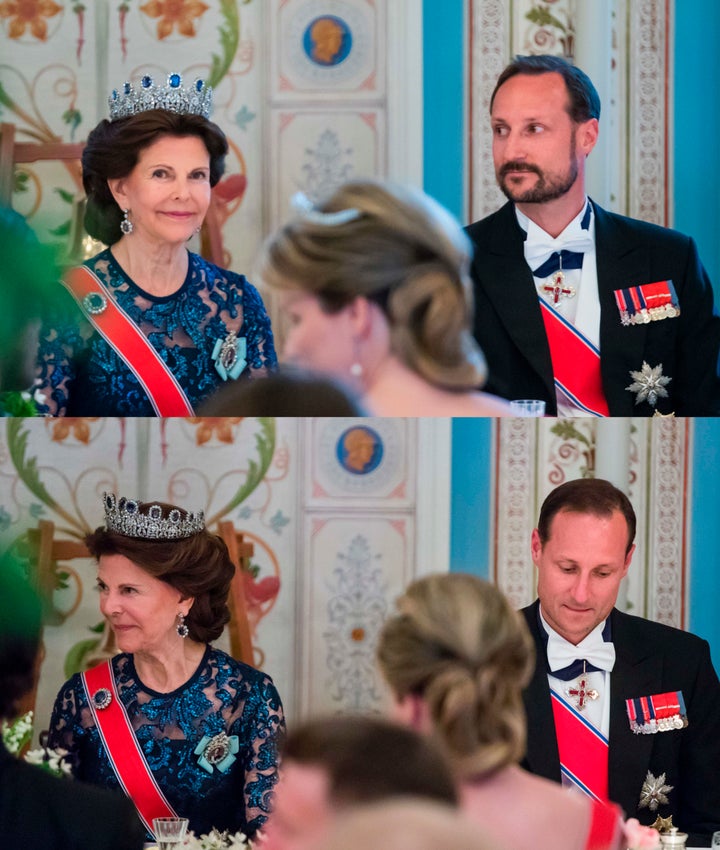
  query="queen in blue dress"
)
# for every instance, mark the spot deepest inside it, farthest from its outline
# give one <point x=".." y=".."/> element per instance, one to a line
<point x="155" y="307"/>
<point x="207" y="727"/>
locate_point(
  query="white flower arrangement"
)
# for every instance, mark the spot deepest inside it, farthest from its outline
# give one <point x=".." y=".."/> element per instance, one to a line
<point x="216" y="840"/>
<point x="18" y="734"/>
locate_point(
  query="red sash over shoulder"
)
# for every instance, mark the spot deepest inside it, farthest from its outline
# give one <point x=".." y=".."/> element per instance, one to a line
<point x="129" y="342"/>
<point x="122" y="747"/>
<point x="575" y="361"/>
<point x="582" y="748"/>
<point x="605" y="826"/>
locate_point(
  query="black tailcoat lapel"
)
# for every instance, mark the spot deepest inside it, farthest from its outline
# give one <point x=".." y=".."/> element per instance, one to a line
<point x="542" y="755"/>
<point x="507" y="295"/>
<point x="637" y="671"/>
<point x="620" y="263"/>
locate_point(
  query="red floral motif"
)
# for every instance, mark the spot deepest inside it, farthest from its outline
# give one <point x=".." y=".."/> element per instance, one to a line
<point x="259" y="596"/>
<point x="220" y="427"/>
<point x="28" y="13"/>
<point x="175" y="13"/>
<point x="231" y="188"/>
<point x="69" y="427"/>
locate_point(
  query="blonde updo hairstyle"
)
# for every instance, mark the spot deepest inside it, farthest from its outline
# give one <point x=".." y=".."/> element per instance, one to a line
<point x="405" y="253"/>
<point x="457" y="642"/>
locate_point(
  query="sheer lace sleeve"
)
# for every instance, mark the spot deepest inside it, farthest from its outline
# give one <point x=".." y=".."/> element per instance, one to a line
<point x="263" y="725"/>
<point x="65" y="722"/>
<point x="62" y="338"/>
<point x="258" y="332"/>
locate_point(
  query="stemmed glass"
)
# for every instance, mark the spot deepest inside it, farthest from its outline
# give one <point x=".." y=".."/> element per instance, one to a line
<point x="528" y="407"/>
<point x="169" y="832"/>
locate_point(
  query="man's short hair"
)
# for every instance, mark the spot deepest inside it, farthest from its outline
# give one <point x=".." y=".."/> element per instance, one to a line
<point x="594" y="496"/>
<point x="368" y="759"/>
<point x="584" y="99"/>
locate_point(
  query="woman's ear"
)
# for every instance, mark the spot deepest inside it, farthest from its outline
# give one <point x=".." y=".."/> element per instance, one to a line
<point x="117" y="189"/>
<point x="412" y="710"/>
<point x="187" y="603"/>
<point x="360" y="316"/>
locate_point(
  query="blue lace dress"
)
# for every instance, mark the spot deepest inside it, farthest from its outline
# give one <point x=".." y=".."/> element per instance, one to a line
<point x="79" y="373"/>
<point x="223" y="695"/>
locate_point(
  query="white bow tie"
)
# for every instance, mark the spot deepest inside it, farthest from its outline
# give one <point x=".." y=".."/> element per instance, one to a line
<point x="561" y="653"/>
<point x="540" y="248"/>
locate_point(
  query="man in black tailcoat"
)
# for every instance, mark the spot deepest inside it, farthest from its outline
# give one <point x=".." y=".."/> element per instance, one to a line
<point x="646" y="692"/>
<point x="593" y="312"/>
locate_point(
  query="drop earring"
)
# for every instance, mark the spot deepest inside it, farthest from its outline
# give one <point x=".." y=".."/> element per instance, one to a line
<point x="356" y="369"/>
<point x="126" y="225"/>
<point x="181" y="628"/>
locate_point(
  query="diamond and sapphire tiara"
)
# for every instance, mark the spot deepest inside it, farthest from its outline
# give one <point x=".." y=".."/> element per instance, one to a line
<point x="190" y="100"/>
<point x="125" y="517"/>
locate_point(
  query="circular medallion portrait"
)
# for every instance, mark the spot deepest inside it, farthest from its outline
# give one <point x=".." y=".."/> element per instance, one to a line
<point x="327" y="40"/>
<point x="359" y="450"/>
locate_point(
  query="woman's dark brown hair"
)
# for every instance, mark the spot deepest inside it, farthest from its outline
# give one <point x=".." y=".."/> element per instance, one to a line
<point x="113" y="148"/>
<point x="197" y="566"/>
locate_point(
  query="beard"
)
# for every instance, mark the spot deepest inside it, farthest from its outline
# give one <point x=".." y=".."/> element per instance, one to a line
<point x="548" y="187"/>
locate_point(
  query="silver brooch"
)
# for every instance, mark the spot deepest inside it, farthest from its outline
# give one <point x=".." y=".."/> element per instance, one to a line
<point x="230" y="355"/>
<point x="102" y="698"/>
<point x="649" y="384"/>
<point x="94" y="303"/>
<point x="654" y="792"/>
<point x="217" y="751"/>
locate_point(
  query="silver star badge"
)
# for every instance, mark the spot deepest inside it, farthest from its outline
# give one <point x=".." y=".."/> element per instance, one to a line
<point x="649" y="384"/>
<point x="654" y="792"/>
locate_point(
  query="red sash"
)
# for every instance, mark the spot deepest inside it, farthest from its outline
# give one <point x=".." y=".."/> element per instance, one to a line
<point x="583" y="750"/>
<point x="575" y="361"/>
<point x="123" y="750"/>
<point x="130" y="343"/>
<point x="605" y="827"/>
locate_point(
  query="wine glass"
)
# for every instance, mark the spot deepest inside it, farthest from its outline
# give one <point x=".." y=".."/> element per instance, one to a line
<point x="528" y="407"/>
<point x="169" y="832"/>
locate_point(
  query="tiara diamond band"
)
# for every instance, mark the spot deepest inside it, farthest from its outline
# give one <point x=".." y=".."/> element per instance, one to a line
<point x="125" y="516"/>
<point x="195" y="99"/>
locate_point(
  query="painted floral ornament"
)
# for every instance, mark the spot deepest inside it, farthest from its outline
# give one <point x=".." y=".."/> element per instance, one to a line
<point x="217" y="751"/>
<point x="649" y="384"/>
<point x="654" y="792"/>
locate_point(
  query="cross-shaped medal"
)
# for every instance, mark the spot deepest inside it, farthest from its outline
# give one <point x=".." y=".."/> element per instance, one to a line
<point x="582" y="693"/>
<point x="556" y="287"/>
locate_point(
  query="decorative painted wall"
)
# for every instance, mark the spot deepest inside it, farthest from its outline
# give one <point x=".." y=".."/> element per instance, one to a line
<point x="342" y="514"/>
<point x="309" y="93"/>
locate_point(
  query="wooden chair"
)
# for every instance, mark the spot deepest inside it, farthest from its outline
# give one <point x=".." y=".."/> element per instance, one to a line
<point x="239" y="627"/>
<point x="47" y="553"/>
<point x="14" y="153"/>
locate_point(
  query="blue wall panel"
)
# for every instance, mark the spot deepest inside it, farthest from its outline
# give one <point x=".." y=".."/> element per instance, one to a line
<point x="443" y="104"/>
<point x="470" y="499"/>
<point x="697" y="129"/>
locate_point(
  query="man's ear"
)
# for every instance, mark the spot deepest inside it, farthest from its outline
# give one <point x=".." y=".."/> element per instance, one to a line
<point x="587" y="135"/>
<point x="535" y="546"/>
